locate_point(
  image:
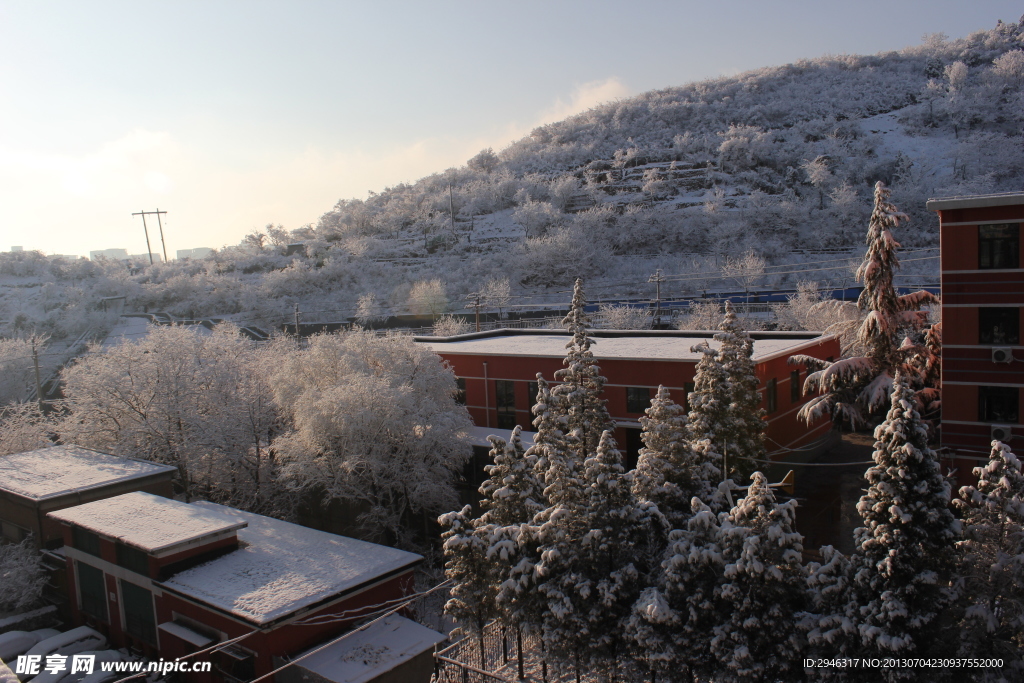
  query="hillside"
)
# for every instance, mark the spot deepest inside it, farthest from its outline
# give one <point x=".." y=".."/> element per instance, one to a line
<point x="779" y="161"/>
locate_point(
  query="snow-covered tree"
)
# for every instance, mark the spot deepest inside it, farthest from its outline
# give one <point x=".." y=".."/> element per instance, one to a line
<point x="588" y="557"/>
<point x="762" y="591"/>
<point x="672" y="621"/>
<point x="669" y="472"/>
<point x="369" y="309"/>
<point x="22" y="575"/>
<point x="449" y="325"/>
<point x="582" y="384"/>
<point x="428" y="297"/>
<point x="374" y="424"/>
<point x="854" y="390"/>
<point x="992" y="562"/>
<point x="614" y="317"/>
<point x="831" y="617"/>
<point x="497" y="293"/>
<point x="708" y="419"/>
<point x="24" y="428"/>
<point x="471" y="600"/>
<point x="903" y="564"/>
<point x="745" y="426"/>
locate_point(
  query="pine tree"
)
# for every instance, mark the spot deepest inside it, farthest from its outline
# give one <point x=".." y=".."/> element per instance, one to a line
<point x="474" y="586"/>
<point x="830" y="620"/>
<point x="669" y="472"/>
<point x="902" y="566"/>
<point x="708" y="420"/>
<point x="588" y="560"/>
<point x="582" y="383"/>
<point x="992" y="562"/>
<point x="745" y="442"/>
<point x="762" y="591"/>
<point x="854" y="390"/>
<point x="672" y="621"/>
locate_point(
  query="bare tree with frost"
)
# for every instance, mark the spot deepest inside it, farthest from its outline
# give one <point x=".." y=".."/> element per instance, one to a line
<point x="23" y="427"/>
<point x="374" y="424"/>
<point x="903" y="563"/>
<point x="615" y="317"/>
<point x="854" y="390"/>
<point x="992" y="561"/>
<point x="22" y="576"/>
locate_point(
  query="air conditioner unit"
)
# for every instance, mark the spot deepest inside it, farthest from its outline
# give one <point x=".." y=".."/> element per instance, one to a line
<point x="1002" y="433"/>
<point x="1002" y="355"/>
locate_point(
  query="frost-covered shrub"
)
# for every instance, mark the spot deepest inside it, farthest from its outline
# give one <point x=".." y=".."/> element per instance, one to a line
<point x="615" y="317"/>
<point x="449" y="325"/>
<point x="22" y="576"/>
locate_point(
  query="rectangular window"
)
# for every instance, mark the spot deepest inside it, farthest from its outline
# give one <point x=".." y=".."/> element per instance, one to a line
<point x="139" y="620"/>
<point x="505" y="391"/>
<point x="999" y="246"/>
<point x="638" y="399"/>
<point x="633" y="445"/>
<point x="795" y="390"/>
<point x="132" y="559"/>
<point x="998" y="325"/>
<point x="12" y="532"/>
<point x="86" y="541"/>
<point x="998" y="404"/>
<point x="92" y="590"/>
<point x="771" y="397"/>
<point x="460" y="390"/>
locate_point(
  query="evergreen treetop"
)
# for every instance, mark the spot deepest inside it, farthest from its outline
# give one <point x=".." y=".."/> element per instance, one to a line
<point x="745" y="426"/>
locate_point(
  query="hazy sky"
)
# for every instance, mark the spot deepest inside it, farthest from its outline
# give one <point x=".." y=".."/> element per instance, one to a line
<point x="233" y="114"/>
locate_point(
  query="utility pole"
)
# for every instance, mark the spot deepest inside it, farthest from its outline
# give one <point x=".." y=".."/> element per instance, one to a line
<point x="149" y="250"/>
<point x="39" y="384"/>
<point x="657" y="279"/>
<point x="296" y="321"/>
<point x="475" y="298"/>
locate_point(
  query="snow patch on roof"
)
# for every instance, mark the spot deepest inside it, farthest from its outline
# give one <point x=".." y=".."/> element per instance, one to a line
<point x="369" y="653"/>
<point x="59" y="470"/>
<point x="149" y="522"/>
<point x="610" y="348"/>
<point x="283" y="567"/>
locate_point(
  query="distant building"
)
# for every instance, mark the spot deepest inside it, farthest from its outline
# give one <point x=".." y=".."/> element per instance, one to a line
<point x="34" y="483"/>
<point x="145" y="257"/>
<point x="15" y="249"/>
<point x="982" y="303"/>
<point x="167" y="578"/>
<point x="197" y="253"/>
<point x="112" y="254"/>
<point x="497" y="373"/>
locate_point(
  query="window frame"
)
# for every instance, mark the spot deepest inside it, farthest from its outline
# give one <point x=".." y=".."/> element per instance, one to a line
<point x="991" y="398"/>
<point x="144" y="634"/>
<point x="992" y="247"/>
<point x="132" y="559"/>
<point x="989" y="316"/>
<point x="505" y="389"/>
<point x="460" y="391"/>
<point x="86" y="599"/>
<point x="636" y="397"/>
<point x="771" y="395"/>
<point x="85" y="540"/>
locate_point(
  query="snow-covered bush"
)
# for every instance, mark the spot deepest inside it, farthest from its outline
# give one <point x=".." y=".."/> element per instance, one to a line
<point x="449" y="325"/>
<point x="615" y="317"/>
<point x="22" y="576"/>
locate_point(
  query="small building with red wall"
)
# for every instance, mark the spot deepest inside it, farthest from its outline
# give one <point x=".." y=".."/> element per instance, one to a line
<point x="498" y="373"/>
<point x="36" y="482"/>
<point x="982" y="304"/>
<point x="166" y="579"/>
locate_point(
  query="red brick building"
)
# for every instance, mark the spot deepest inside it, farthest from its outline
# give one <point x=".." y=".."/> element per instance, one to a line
<point x="166" y="578"/>
<point x="982" y="300"/>
<point x="498" y="369"/>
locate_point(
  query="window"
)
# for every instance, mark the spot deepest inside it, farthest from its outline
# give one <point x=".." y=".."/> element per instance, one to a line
<point x="688" y="389"/>
<point x="633" y="445"/>
<point x="771" y="399"/>
<point x="86" y="541"/>
<point x="532" y="389"/>
<point x="506" y="401"/>
<point x="139" y="620"/>
<point x="997" y="404"/>
<point x="237" y="663"/>
<point x="999" y="246"/>
<point x="795" y="390"/>
<point x="132" y="559"/>
<point x="460" y="390"/>
<point x="92" y="591"/>
<point x="998" y="325"/>
<point x="12" y="532"/>
<point x="638" y="399"/>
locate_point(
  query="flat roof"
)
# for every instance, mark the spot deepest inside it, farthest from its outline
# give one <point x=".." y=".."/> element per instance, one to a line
<point x="365" y="655"/>
<point x="151" y="523"/>
<point x="281" y="567"/>
<point x="61" y="470"/>
<point x="664" y="346"/>
<point x="975" y="201"/>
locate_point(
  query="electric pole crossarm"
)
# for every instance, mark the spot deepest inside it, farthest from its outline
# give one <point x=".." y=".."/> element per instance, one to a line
<point x="149" y="249"/>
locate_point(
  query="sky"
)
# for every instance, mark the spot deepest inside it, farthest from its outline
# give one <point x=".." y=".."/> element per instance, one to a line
<point x="231" y="114"/>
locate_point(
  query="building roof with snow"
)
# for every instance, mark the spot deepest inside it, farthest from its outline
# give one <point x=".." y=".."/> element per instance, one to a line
<point x="976" y="201"/>
<point x="154" y="524"/>
<point x="611" y="345"/>
<point x="364" y="655"/>
<point x="280" y="568"/>
<point x="57" y="471"/>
